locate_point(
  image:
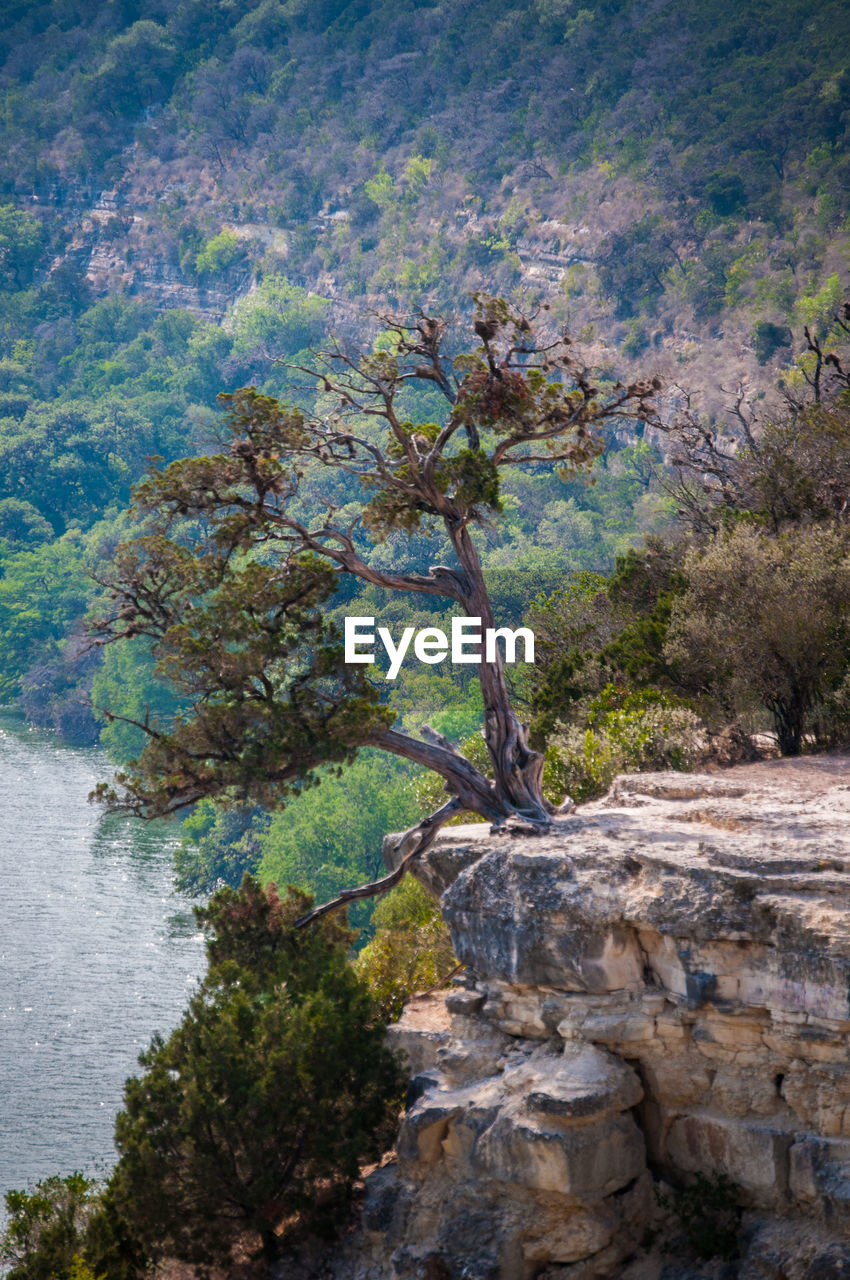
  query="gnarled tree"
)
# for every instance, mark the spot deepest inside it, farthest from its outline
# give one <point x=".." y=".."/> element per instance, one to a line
<point x="228" y="581"/>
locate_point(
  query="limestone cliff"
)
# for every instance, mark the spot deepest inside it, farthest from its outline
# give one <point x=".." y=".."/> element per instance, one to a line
<point x="658" y="988"/>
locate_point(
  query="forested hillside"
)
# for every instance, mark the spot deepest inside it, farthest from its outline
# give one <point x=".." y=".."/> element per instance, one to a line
<point x="668" y="175"/>
<point x="192" y="193"/>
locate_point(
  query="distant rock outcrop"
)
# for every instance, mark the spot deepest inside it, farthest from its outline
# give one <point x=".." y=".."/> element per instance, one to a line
<point x="661" y="987"/>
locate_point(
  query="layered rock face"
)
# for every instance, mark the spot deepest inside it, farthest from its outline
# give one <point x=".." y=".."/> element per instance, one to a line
<point x="661" y="987"/>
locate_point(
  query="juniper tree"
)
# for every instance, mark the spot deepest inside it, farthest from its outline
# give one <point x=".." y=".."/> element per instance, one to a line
<point x="234" y="609"/>
<point x="259" y="1110"/>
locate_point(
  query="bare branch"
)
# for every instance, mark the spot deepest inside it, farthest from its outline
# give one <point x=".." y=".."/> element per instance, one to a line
<point x="423" y="835"/>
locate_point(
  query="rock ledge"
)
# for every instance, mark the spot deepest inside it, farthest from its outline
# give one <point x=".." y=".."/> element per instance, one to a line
<point x="659" y="987"/>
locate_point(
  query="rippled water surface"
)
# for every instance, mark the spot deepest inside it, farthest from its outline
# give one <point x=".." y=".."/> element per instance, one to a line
<point x="96" y="954"/>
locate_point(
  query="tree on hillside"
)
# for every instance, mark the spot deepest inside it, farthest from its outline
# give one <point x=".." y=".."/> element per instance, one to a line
<point x="788" y="469"/>
<point x="229" y="581"/>
<point x="21" y="245"/>
<point x="765" y="619"/>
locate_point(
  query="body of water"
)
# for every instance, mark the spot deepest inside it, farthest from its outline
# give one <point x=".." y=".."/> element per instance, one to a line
<point x="96" y="954"/>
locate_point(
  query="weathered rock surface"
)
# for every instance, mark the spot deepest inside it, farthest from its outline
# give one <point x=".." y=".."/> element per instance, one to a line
<point x="658" y="988"/>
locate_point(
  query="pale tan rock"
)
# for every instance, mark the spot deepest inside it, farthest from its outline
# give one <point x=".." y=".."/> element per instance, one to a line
<point x="421" y="1030"/>
<point x="753" y="1155"/>
<point x="663" y="978"/>
<point x="742" y="1091"/>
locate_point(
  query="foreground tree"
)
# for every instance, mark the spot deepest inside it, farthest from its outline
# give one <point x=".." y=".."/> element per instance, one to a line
<point x="261" y="1107"/>
<point x="250" y="1122"/>
<point x="233" y="602"/>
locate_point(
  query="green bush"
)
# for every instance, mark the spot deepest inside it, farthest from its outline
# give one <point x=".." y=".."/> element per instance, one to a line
<point x="263" y="1104"/>
<point x="411" y="950"/>
<point x="763" y="624"/>
<point x="43" y="1238"/>
<point x="219" y="253"/>
<point x="628" y="731"/>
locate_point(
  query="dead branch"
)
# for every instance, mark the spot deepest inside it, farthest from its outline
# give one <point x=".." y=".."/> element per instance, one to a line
<point x="424" y="833"/>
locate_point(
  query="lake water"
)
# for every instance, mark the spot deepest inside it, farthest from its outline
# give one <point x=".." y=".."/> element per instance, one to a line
<point x="96" y="954"/>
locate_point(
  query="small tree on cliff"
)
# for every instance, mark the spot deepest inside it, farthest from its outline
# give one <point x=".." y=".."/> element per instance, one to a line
<point x="234" y="609"/>
<point x="263" y="1104"/>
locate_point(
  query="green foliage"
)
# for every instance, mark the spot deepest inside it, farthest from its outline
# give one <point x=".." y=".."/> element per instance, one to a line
<point x="598" y="632"/>
<point x="574" y="619"/>
<point x="469" y="476"/>
<point x="329" y="838"/>
<point x="219" y="845"/>
<point x="411" y="950"/>
<point x="43" y="596"/>
<point x="643" y="589"/>
<point x="137" y="71"/>
<point x="219" y="253"/>
<point x="260" y="1108"/>
<point x="817" y="306"/>
<point x="628" y="731"/>
<point x="228" y="78"/>
<point x="46" y="1227"/>
<point x="247" y="650"/>
<point x="381" y="190"/>
<point x="636" y="339"/>
<point x="763" y="623"/>
<point x="92" y="401"/>
<point x="80" y="1269"/>
<point x="21" y="524"/>
<point x="745" y="124"/>
<point x="725" y="191"/>
<point x="127" y="687"/>
<point x="278" y="318"/>
<point x="22" y="242"/>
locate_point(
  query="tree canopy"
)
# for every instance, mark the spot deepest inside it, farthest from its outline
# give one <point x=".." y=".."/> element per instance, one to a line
<point x="230" y="579"/>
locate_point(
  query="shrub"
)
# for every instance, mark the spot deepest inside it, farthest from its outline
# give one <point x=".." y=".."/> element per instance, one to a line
<point x="260" y="1108"/>
<point x="411" y="950"/>
<point x="765" y="623"/>
<point x="46" y="1227"/>
<point x="219" y="253"/>
<point x="628" y="731"/>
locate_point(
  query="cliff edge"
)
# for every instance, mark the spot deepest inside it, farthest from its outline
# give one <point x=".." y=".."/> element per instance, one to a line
<point x="659" y="988"/>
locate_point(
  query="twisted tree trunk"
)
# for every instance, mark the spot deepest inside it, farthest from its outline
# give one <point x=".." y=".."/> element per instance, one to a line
<point x="515" y="792"/>
<point x="517" y="769"/>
